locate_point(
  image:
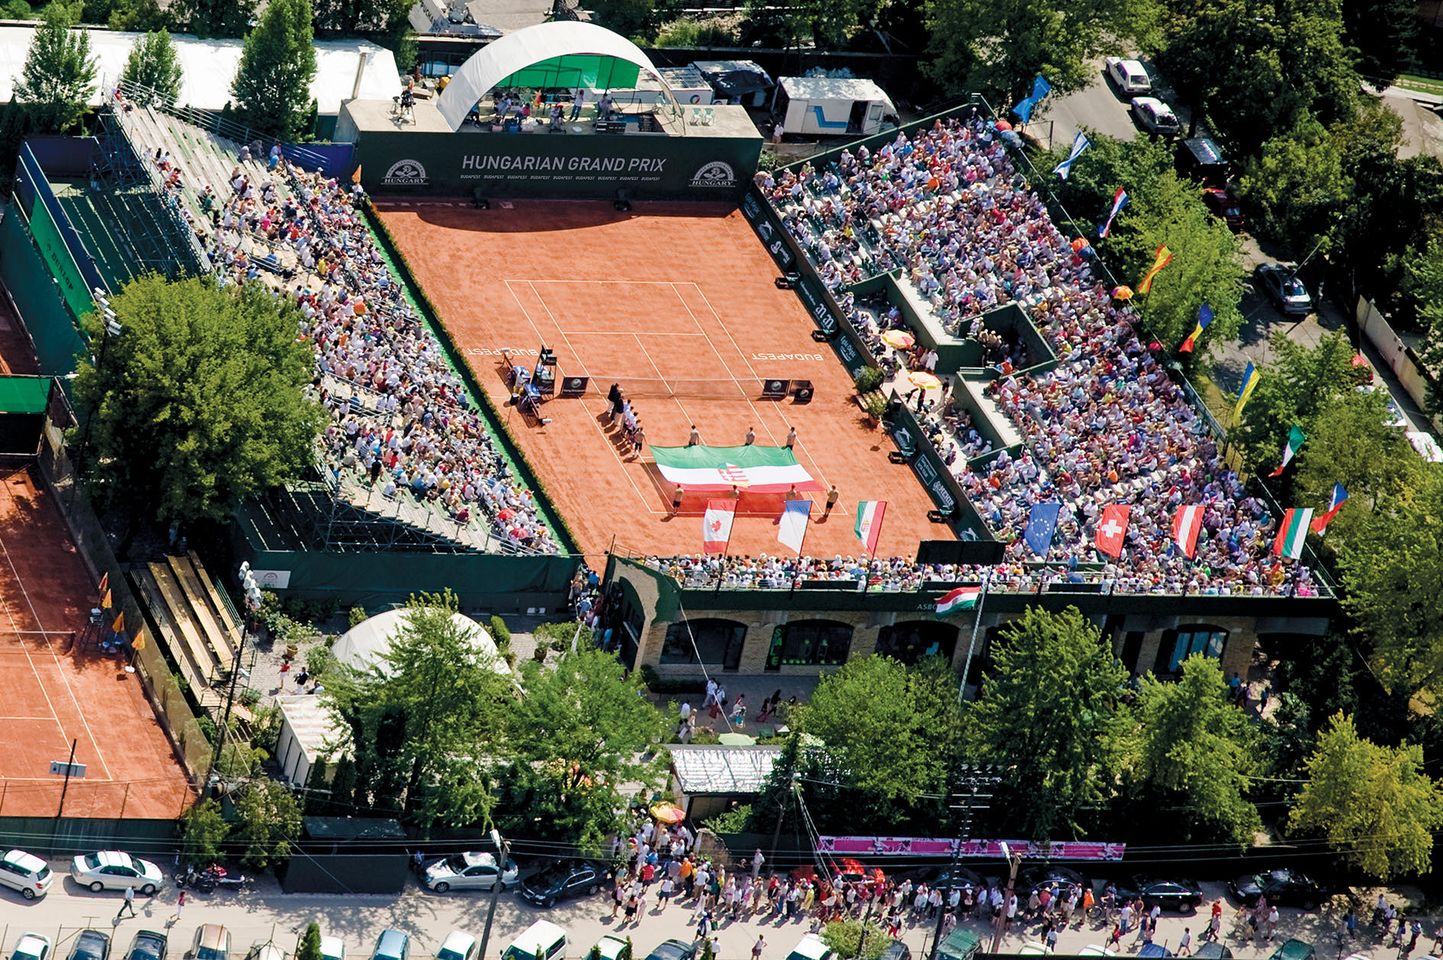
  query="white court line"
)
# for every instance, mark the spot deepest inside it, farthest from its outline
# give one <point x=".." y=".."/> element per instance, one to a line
<point x="677" y="400"/>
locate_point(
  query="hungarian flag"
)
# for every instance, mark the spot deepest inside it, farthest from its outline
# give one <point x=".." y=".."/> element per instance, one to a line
<point x="754" y="468"/>
<point x="1204" y="319"/>
<point x="963" y="598"/>
<point x="1112" y="529"/>
<point x="1296" y="438"/>
<point x="1292" y="532"/>
<point x="1186" y="525"/>
<point x="1161" y="258"/>
<point x="716" y="525"/>
<point x="792" y="528"/>
<point x="869" y="523"/>
<point x="1320" y="523"/>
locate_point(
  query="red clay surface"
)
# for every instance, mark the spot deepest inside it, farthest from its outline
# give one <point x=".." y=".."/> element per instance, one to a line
<point x="667" y="291"/>
<point x="54" y="690"/>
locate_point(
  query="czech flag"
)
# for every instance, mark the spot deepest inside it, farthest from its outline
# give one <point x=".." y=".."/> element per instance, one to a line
<point x="1204" y="320"/>
<point x="1119" y="200"/>
<point x="1320" y="523"/>
<point x="1161" y="258"/>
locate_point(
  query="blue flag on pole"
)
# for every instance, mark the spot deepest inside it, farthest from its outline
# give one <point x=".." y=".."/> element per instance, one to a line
<point x="1079" y="144"/>
<point x="1041" y="524"/>
<point x="1040" y="89"/>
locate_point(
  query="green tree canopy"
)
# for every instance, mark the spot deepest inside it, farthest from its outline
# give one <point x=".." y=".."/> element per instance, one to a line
<point x="203" y="830"/>
<point x="154" y="66"/>
<point x="58" y="77"/>
<point x="267" y="822"/>
<point x="216" y="18"/>
<point x="1196" y="747"/>
<point x="1373" y="803"/>
<point x="272" y="85"/>
<point x="199" y="401"/>
<point x="581" y="732"/>
<point x="1297" y="185"/>
<point x="310" y="945"/>
<point x="1051" y="712"/>
<point x="892" y="731"/>
<point x="347" y="17"/>
<point x="1295" y="385"/>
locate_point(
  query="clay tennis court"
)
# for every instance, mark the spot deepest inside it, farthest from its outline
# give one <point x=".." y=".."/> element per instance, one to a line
<point x="54" y="689"/>
<point x="678" y="293"/>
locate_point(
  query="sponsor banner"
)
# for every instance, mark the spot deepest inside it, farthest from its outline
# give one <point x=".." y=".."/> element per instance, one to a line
<point x="272" y="579"/>
<point x="934" y="473"/>
<point x="992" y="849"/>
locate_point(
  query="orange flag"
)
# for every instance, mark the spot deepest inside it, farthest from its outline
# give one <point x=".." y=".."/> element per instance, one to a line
<point x="105" y="603"/>
<point x="356" y="177"/>
<point x="119" y="625"/>
<point x="139" y="642"/>
<point x="104" y="582"/>
<point x="1162" y="258"/>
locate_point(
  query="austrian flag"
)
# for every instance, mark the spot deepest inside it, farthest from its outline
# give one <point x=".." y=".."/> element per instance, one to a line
<point x="1186" y="525"/>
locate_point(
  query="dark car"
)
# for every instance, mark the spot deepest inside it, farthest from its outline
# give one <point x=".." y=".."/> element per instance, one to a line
<point x="1200" y="158"/>
<point x="90" y="945"/>
<point x="896" y="950"/>
<point x="1067" y="880"/>
<point x="1282" y="886"/>
<point x="1281" y="285"/>
<point x="1224" y="205"/>
<point x="1212" y="950"/>
<point x="942" y="877"/>
<point x="673" y="950"/>
<point x="1178" y="895"/>
<point x="147" y="945"/>
<point x="562" y="882"/>
<point x="1154" y="950"/>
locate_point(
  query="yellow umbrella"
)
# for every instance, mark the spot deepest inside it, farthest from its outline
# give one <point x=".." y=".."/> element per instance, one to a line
<point x="1122" y="292"/>
<point x="668" y="813"/>
<point x="900" y="339"/>
<point x="923" y="379"/>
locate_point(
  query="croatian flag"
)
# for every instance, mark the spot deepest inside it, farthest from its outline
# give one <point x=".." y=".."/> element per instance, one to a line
<point x="1320" y="523"/>
<point x="792" y="528"/>
<point x="1112" y="529"/>
<point x="1186" y="525"/>
<point x="716" y="525"/>
<point x="1079" y="144"/>
<point x="1119" y="200"/>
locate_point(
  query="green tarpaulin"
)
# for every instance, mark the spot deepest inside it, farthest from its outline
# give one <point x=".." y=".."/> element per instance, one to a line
<point x="24" y="394"/>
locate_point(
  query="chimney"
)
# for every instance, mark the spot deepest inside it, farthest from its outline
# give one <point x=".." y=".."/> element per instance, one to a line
<point x="361" y="65"/>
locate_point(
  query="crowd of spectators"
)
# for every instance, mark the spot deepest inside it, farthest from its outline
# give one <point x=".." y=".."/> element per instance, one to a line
<point x="400" y="416"/>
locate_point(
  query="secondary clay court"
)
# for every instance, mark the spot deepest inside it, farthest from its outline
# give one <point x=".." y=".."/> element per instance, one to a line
<point x="54" y="689"/>
<point x="668" y="297"/>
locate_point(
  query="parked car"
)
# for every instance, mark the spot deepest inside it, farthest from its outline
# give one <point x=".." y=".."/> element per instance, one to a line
<point x="32" y="946"/>
<point x="562" y="882"/>
<point x="1212" y="950"/>
<point x="90" y="945"/>
<point x="1096" y="950"/>
<point x="212" y="942"/>
<point x="542" y="940"/>
<point x="391" y="945"/>
<point x="1154" y="951"/>
<point x="333" y="948"/>
<point x="147" y="945"/>
<point x="1224" y="205"/>
<point x="896" y="950"/>
<point x="1035" y="878"/>
<point x="1168" y="894"/>
<point x="1283" y="886"/>
<point x="1280" y="285"/>
<point x="470" y="871"/>
<point x="1155" y="117"/>
<point x="673" y="950"/>
<point x="611" y="948"/>
<point x="1294" y="949"/>
<point x="1200" y="158"/>
<point x="1129" y="76"/>
<point x="114" y="870"/>
<point x="265" y="951"/>
<point x="811" y="947"/>
<point x="458" y="945"/>
<point x="25" y="872"/>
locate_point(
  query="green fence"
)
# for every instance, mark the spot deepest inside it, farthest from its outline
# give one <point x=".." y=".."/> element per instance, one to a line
<point x="38" y="297"/>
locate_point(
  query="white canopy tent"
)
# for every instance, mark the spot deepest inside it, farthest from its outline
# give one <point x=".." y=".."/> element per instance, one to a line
<point x="529" y="46"/>
<point x="362" y="646"/>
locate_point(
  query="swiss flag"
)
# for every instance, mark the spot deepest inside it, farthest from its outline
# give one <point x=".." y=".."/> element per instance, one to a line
<point x="1112" y="528"/>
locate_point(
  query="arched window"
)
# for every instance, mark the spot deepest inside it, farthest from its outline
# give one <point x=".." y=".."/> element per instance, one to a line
<point x="1177" y="645"/>
<point x="911" y="641"/>
<point x="816" y="643"/>
<point x="717" y="641"/>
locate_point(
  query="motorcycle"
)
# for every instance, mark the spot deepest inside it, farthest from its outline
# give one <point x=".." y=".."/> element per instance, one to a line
<point x="198" y="880"/>
<point x="218" y="876"/>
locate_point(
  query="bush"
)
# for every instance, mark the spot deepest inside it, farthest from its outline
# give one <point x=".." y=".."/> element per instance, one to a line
<point x="710" y="32"/>
<point x="558" y="636"/>
<point x="207" y="727"/>
<point x="845" y="939"/>
<point x="735" y="820"/>
<point x="356" y="615"/>
<point x="868" y="379"/>
<point x="320" y="660"/>
<point x="500" y="633"/>
<point x="250" y="696"/>
<point x="659" y="684"/>
<point x="875" y="404"/>
<point x="310" y="947"/>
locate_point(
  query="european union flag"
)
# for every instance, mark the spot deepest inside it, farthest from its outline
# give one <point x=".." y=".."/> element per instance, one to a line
<point x="1041" y="524"/>
<point x="1040" y="89"/>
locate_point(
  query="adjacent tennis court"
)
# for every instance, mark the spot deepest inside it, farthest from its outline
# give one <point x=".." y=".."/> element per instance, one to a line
<point x="676" y="304"/>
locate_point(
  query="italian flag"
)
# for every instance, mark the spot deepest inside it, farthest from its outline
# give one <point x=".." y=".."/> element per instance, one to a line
<point x="963" y="598"/>
<point x="752" y="468"/>
<point x="1292" y="532"/>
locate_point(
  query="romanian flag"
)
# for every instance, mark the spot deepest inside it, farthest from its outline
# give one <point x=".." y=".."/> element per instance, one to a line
<point x="1161" y="258"/>
<point x="119" y="625"/>
<point x="1251" y="376"/>
<point x="1320" y="523"/>
<point x="1204" y="320"/>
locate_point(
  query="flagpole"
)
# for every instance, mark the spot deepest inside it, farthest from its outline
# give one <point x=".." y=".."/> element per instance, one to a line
<point x="972" y="643"/>
<point x="867" y="575"/>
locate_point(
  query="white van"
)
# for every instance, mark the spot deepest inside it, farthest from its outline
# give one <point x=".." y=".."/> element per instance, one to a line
<point x="540" y="941"/>
<point x="458" y="945"/>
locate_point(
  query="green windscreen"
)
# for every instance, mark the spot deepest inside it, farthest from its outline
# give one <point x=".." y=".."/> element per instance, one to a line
<point x="576" y="70"/>
<point x="24" y="394"/>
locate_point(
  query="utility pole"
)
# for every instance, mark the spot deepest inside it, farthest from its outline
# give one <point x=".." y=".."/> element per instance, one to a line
<point x="501" y="857"/>
<point x="974" y="789"/>
<point x="1014" y="861"/>
<point x="252" y="592"/>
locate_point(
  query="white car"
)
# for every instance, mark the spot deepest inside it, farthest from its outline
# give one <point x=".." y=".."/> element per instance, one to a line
<point x="114" y="870"/>
<point x="32" y="946"/>
<point x="333" y="948"/>
<point x="25" y="872"/>
<point x="1129" y="75"/>
<point x="469" y="871"/>
<point x="458" y="946"/>
<point x="1155" y="117"/>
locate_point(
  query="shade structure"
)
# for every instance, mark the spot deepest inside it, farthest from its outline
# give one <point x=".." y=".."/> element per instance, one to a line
<point x="752" y="468"/>
<point x="899" y="339"/>
<point x="668" y="813"/>
<point x="923" y="379"/>
<point x="736" y="740"/>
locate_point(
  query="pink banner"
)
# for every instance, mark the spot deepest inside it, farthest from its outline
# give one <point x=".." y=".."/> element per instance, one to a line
<point x="943" y="847"/>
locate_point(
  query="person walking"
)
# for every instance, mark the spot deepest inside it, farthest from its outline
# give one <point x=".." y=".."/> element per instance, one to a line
<point x="758" y="947"/>
<point x="127" y="906"/>
<point x="791" y="437"/>
<point x="751" y="437"/>
<point x="179" y="908"/>
<point x="676" y="499"/>
<point x="694" y="437"/>
<point x="1184" y="946"/>
<point x="832" y="497"/>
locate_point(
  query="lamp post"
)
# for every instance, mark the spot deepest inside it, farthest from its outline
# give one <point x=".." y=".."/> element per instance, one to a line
<point x="252" y="592"/>
<point x="111" y="328"/>
<point x="501" y="857"/>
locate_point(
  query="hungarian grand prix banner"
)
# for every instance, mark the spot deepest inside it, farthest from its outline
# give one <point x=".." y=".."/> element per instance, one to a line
<point x="945" y="847"/>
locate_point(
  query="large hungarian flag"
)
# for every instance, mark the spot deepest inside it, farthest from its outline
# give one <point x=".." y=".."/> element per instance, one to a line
<point x="752" y="468"/>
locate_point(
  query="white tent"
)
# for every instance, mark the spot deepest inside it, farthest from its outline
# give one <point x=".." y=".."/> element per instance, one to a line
<point x="515" y="52"/>
<point x="362" y="646"/>
<point x="307" y="733"/>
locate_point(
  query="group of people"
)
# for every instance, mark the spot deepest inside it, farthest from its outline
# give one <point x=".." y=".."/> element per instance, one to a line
<point x="947" y="207"/>
<point x="621" y="414"/>
<point x="399" y="415"/>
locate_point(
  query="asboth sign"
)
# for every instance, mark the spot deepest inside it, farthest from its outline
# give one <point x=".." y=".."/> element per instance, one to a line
<point x="561" y="166"/>
<point x="946" y="847"/>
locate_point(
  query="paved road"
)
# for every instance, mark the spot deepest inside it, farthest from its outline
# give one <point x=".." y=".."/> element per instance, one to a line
<point x="263" y="913"/>
<point x="1095" y="107"/>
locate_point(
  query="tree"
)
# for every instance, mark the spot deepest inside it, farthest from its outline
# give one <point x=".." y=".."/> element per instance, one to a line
<point x="851" y="938"/>
<point x="891" y="730"/>
<point x="203" y="830"/>
<point x="804" y="22"/>
<point x="154" y="66"/>
<point x="1198" y="748"/>
<point x="1052" y="714"/>
<point x="198" y="402"/>
<point x="138" y="15"/>
<point x="348" y="17"/>
<point x="268" y="821"/>
<point x="58" y="77"/>
<point x="216" y="18"/>
<point x="1382" y="32"/>
<point x="272" y="86"/>
<point x="996" y="47"/>
<point x="427" y="719"/>
<point x="581" y="732"/>
<point x="1373" y="803"/>
<point x="1298" y="382"/>
<point x="1297" y="185"/>
<point x="310" y="945"/>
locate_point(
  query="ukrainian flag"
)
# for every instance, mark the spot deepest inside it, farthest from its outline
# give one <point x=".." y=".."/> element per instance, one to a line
<point x="1251" y="376"/>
